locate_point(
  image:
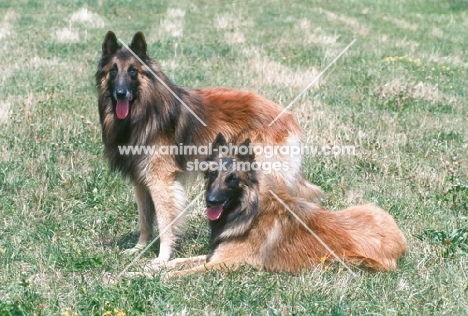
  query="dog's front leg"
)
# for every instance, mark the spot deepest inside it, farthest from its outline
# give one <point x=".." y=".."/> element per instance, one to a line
<point x="216" y="265"/>
<point x="175" y="263"/>
<point x="168" y="196"/>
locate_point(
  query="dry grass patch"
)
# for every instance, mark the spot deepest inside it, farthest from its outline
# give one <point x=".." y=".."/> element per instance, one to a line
<point x="232" y="24"/>
<point x="6" y="24"/>
<point x="235" y="37"/>
<point x="407" y="44"/>
<point x="67" y="35"/>
<point x="231" y="21"/>
<point x="225" y="21"/>
<point x="355" y="26"/>
<point x="437" y="32"/>
<point x="314" y="35"/>
<point x="4" y="112"/>
<point x="171" y="26"/>
<point x="269" y="72"/>
<point x="87" y="18"/>
<point x="414" y="90"/>
<point x="454" y="60"/>
<point x="402" y="24"/>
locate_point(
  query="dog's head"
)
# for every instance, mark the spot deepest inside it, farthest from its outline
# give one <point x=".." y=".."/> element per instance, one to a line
<point x="121" y="71"/>
<point x="231" y="183"/>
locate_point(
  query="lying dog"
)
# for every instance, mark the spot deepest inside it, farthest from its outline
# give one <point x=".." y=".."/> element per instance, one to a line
<point x="254" y="222"/>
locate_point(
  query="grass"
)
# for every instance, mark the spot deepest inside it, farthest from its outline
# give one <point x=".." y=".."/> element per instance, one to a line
<point x="398" y="95"/>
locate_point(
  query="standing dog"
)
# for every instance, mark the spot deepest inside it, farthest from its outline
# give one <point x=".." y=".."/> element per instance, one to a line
<point x="139" y="106"/>
<point x="250" y="225"/>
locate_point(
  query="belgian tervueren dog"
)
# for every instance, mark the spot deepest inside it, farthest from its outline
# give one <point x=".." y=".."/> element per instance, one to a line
<point x="139" y="106"/>
<point x="255" y="222"/>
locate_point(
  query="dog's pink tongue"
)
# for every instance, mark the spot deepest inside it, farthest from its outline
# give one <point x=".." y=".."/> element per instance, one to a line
<point x="214" y="212"/>
<point x="122" y="108"/>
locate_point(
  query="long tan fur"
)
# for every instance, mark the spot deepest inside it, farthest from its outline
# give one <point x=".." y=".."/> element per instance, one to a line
<point x="260" y="230"/>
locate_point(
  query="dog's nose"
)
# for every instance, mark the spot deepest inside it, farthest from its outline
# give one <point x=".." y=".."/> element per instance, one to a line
<point x="214" y="200"/>
<point x="121" y="93"/>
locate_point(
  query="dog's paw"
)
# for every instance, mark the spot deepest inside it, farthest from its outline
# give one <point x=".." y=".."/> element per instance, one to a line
<point x="155" y="265"/>
<point x="133" y="251"/>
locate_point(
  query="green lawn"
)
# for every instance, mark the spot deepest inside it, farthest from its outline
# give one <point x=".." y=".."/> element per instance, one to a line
<point x="398" y="95"/>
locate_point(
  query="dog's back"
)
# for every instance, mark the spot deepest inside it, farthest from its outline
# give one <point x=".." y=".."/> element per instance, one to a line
<point x="277" y="241"/>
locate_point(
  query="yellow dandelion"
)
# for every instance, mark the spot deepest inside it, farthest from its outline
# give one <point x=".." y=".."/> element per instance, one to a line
<point x="388" y="59"/>
<point x="120" y="314"/>
<point x="323" y="259"/>
<point x="107" y="313"/>
<point x="2" y="250"/>
<point x="432" y="69"/>
<point x="326" y="268"/>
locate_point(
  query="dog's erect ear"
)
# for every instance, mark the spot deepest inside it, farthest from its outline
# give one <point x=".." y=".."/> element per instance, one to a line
<point x="138" y="45"/>
<point x="110" y="45"/>
<point x="218" y="142"/>
<point x="245" y="151"/>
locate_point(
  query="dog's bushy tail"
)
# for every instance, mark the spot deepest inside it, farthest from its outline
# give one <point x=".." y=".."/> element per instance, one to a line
<point x="375" y="239"/>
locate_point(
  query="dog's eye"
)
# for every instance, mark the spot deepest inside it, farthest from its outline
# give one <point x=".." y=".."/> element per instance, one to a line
<point x="232" y="177"/>
<point x="213" y="174"/>
<point x="132" y="71"/>
<point x="113" y="71"/>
